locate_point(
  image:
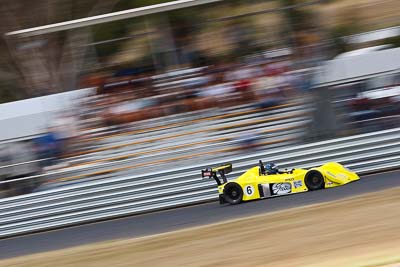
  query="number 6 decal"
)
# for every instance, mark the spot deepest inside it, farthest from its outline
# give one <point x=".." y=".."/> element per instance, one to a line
<point x="249" y="190"/>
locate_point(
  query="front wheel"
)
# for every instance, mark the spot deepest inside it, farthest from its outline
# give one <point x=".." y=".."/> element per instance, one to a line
<point x="233" y="193"/>
<point x="314" y="180"/>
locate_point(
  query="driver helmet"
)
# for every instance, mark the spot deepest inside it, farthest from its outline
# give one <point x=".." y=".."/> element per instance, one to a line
<point x="271" y="168"/>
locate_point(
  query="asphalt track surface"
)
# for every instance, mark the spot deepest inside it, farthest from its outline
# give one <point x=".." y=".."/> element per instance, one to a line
<point x="164" y="221"/>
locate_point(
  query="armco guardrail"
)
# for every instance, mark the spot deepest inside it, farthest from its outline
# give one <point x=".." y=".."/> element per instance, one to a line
<point x="120" y="196"/>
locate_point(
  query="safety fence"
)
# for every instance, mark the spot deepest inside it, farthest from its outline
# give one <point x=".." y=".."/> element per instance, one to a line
<point x="121" y="196"/>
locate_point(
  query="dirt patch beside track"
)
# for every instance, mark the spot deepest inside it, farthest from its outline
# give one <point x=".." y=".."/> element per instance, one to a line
<point x="361" y="231"/>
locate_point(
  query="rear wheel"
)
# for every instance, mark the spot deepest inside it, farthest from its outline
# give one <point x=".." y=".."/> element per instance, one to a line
<point x="314" y="180"/>
<point x="233" y="193"/>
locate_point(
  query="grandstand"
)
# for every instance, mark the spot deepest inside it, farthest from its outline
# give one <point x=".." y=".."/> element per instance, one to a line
<point x="182" y="140"/>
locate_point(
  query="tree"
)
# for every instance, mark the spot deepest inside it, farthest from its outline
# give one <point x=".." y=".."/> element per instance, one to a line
<point x="50" y="63"/>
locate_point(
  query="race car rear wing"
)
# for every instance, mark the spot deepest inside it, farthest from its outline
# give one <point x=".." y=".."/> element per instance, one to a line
<point x="212" y="173"/>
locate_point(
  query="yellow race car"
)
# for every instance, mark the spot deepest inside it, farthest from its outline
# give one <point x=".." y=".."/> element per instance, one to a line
<point x="264" y="181"/>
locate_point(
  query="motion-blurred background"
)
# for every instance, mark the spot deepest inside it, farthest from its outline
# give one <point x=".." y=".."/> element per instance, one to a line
<point x="176" y="88"/>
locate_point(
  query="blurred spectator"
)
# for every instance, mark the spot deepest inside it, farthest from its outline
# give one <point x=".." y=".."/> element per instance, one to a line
<point x="215" y="89"/>
<point x="48" y="147"/>
<point x="260" y="81"/>
<point x="248" y="141"/>
<point x="65" y="128"/>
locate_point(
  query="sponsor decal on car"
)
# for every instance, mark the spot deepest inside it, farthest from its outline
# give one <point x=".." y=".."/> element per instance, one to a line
<point x="289" y="179"/>
<point x="281" y="189"/>
<point x="298" y="184"/>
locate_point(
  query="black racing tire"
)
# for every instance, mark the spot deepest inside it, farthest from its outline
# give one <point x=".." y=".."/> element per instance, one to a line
<point x="314" y="180"/>
<point x="233" y="193"/>
<point x="221" y="199"/>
